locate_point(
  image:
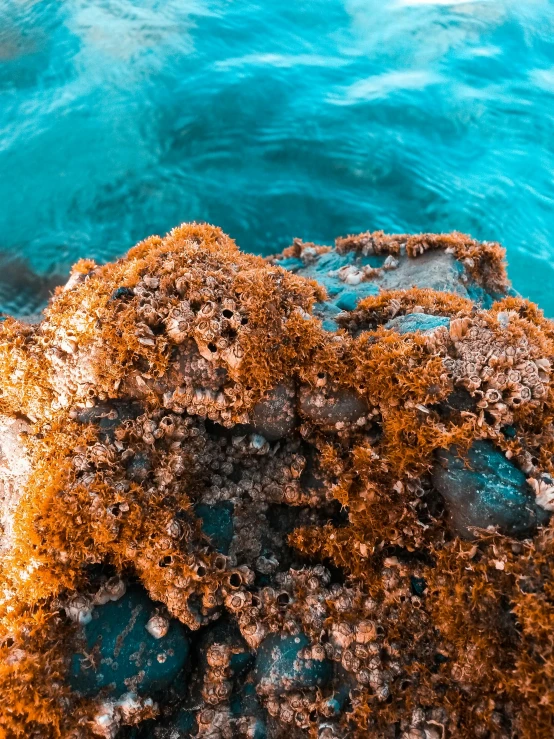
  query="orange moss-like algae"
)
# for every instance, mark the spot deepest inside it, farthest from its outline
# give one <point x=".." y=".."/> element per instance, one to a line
<point x="475" y="652"/>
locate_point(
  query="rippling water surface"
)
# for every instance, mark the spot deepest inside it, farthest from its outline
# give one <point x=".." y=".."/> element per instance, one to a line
<point x="122" y="118"/>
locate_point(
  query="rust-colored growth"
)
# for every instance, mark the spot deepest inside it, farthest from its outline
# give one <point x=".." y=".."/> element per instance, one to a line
<point x="305" y="250"/>
<point x="186" y="335"/>
<point x="368" y="243"/>
<point x="381" y="308"/>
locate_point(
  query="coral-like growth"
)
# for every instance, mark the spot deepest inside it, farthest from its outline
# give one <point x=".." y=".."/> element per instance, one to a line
<point x="287" y="488"/>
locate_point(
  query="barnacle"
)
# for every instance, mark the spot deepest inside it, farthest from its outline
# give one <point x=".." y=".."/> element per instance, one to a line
<point x="197" y="441"/>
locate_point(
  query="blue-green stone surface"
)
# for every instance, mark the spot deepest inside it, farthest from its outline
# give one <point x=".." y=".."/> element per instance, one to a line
<point x="280" y="668"/>
<point x="126" y="656"/>
<point x="488" y="491"/>
<point x="217" y="523"/>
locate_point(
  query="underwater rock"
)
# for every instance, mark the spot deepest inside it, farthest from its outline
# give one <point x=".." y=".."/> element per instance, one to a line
<point x="267" y="448"/>
<point x="491" y="491"/>
<point x="130" y="653"/>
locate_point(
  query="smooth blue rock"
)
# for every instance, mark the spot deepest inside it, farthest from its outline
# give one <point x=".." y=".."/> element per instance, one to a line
<point x="126" y="656"/>
<point x="280" y="668"/>
<point x="489" y="491"/>
<point x="412" y="322"/>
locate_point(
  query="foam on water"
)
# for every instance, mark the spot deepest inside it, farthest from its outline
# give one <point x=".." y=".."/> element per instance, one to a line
<point x="119" y="119"/>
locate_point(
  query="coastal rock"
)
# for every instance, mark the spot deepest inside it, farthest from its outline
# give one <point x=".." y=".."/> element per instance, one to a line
<point x="267" y="450"/>
<point x="360" y="266"/>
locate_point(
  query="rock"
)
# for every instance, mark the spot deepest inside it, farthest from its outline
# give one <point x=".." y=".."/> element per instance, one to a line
<point x="125" y="655"/>
<point x="490" y="492"/>
<point x="281" y="668"/>
<point x="275" y="415"/>
<point x="330" y="408"/>
<point x="217" y="523"/>
<point x="299" y="537"/>
<point x="436" y="269"/>
<point x="413" y="322"/>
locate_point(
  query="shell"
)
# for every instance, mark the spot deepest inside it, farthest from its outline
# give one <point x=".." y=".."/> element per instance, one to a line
<point x="341" y="634"/>
<point x="179" y="323"/>
<point x="79" y="609"/>
<point x="157" y="626"/>
<point x="254" y="633"/>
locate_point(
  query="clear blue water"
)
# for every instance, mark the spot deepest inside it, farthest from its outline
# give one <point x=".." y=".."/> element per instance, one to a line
<point x="273" y="119"/>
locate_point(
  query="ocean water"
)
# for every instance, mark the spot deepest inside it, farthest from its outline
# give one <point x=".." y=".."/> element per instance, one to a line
<point x="122" y="118"/>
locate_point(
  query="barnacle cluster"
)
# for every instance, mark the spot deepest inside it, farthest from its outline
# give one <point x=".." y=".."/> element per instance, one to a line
<point x="212" y="446"/>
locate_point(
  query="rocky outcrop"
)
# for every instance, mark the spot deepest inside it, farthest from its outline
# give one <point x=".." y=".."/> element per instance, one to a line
<point x="299" y="496"/>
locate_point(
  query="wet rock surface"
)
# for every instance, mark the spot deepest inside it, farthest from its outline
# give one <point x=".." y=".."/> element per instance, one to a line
<point x="413" y="322"/>
<point x="234" y="502"/>
<point x="123" y="650"/>
<point x="281" y="665"/>
<point x="484" y="489"/>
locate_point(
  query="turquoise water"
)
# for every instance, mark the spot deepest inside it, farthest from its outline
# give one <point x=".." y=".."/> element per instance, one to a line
<point x="121" y="118"/>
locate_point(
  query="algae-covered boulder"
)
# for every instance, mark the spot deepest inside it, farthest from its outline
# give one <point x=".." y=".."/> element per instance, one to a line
<point x="286" y="457"/>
